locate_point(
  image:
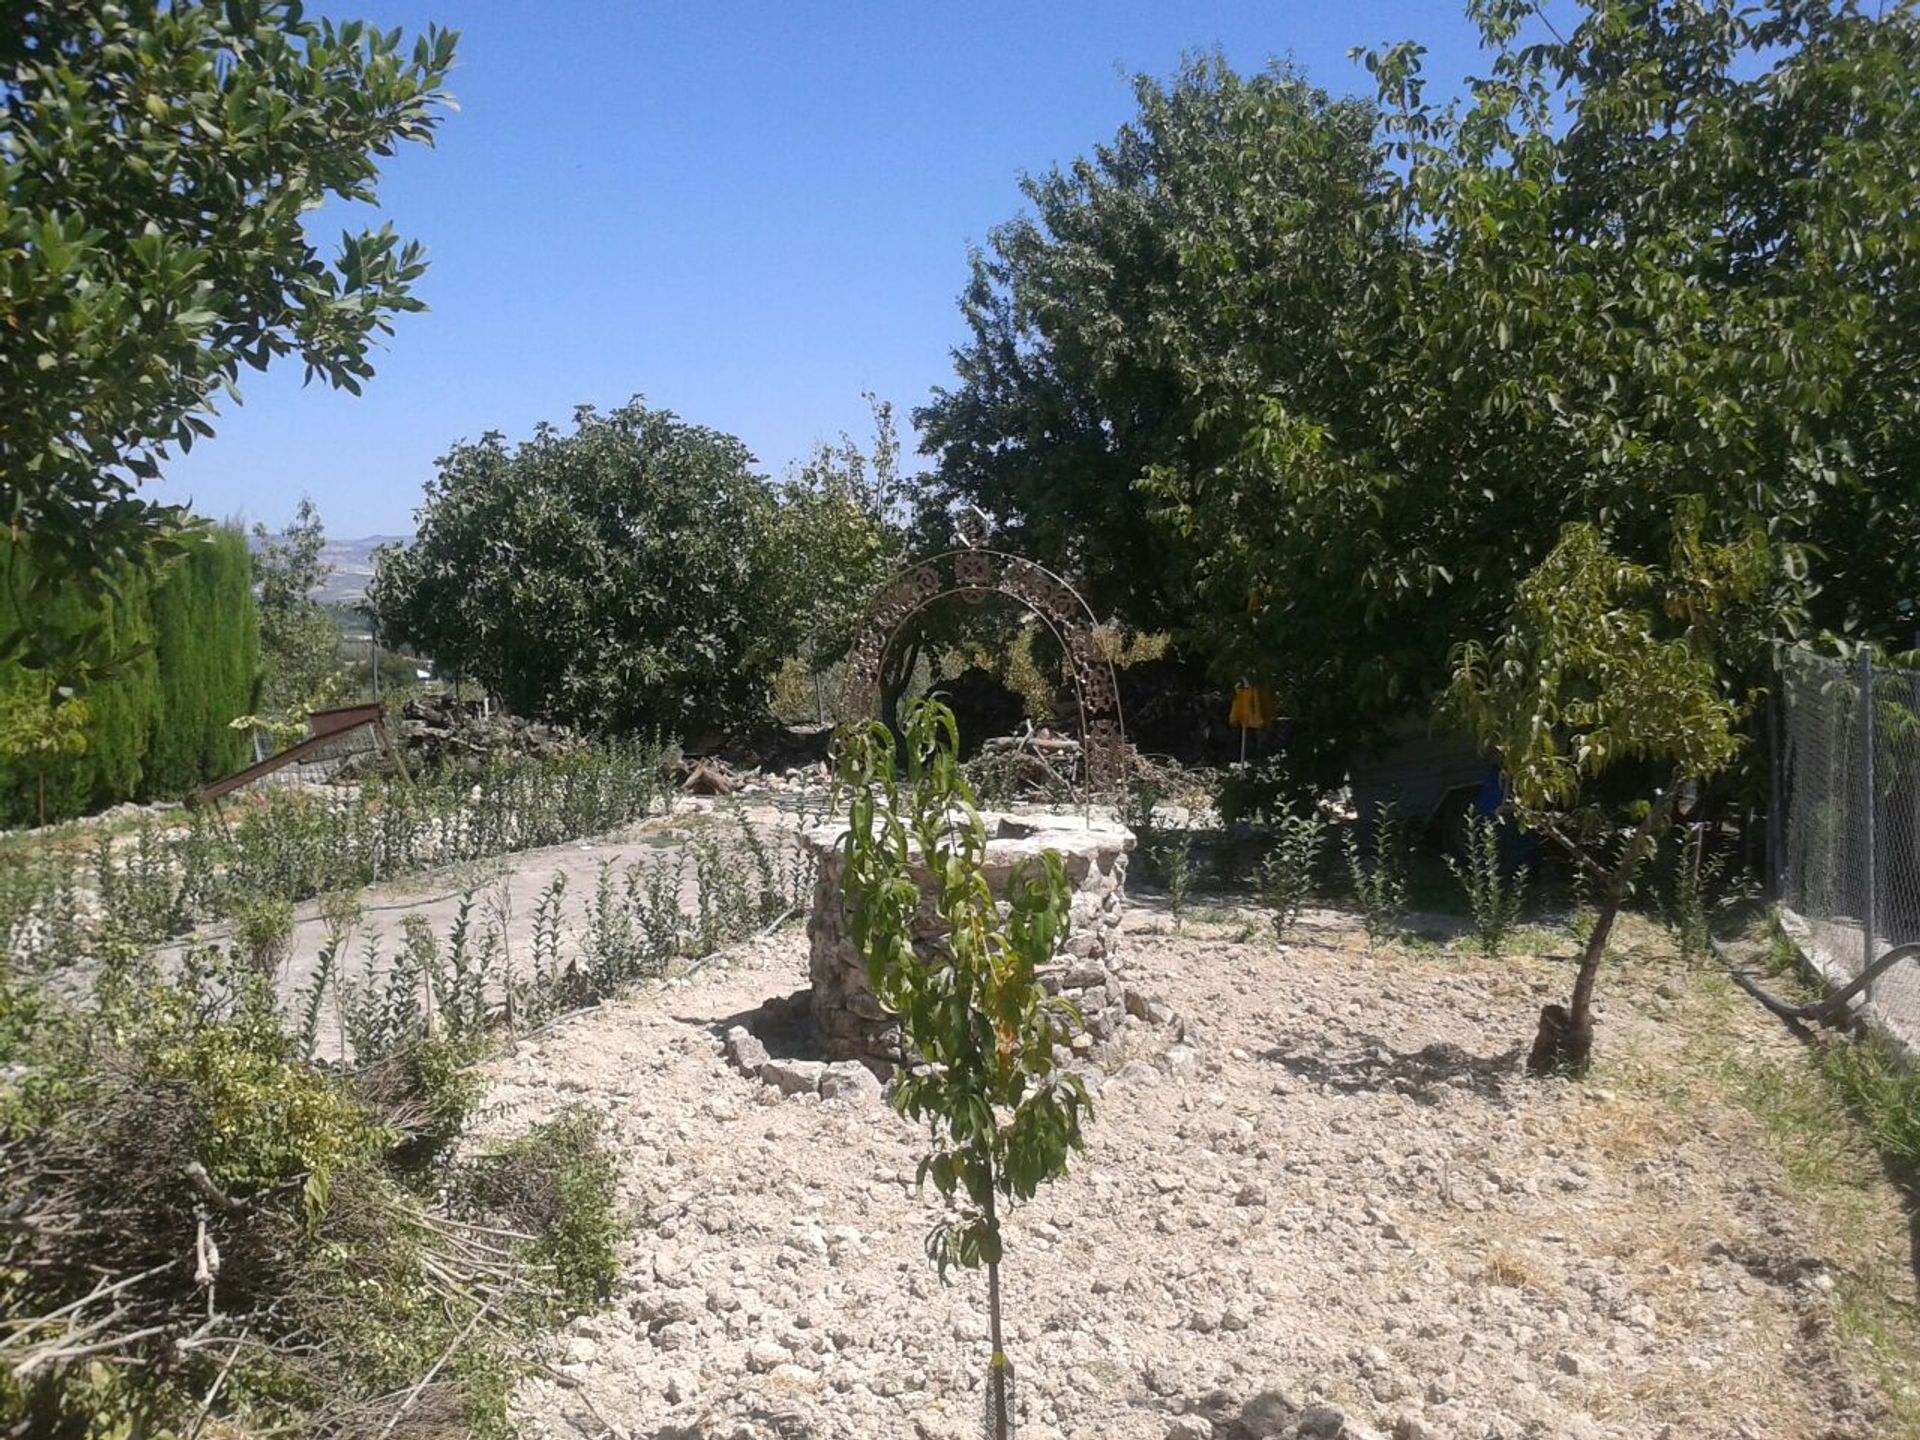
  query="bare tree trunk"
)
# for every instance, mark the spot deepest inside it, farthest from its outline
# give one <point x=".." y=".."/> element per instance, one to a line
<point x="1564" y="1042"/>
<point x="896" y="675"/>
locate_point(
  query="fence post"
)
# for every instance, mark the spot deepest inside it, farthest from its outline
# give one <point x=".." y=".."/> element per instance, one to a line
<point x="1776" y="818"/>
<point x="1870" y="906"/>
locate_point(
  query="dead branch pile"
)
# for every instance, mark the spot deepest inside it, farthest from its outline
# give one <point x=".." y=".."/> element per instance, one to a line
<point x="195" y="1222"/>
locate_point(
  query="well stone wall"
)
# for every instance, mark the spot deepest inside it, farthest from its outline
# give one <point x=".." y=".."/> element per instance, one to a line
<point x="850" y="1022"/>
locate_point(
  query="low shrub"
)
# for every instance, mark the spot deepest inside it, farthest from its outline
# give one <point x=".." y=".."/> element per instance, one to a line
<point x="204" y="1225"/>
<point x="1286" y="876"/>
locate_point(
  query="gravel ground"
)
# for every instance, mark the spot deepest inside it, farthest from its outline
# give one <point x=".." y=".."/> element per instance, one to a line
<point x="1347" y="1213"/>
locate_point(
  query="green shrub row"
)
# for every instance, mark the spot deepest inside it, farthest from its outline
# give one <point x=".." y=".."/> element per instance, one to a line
<point x="185" y="644"/>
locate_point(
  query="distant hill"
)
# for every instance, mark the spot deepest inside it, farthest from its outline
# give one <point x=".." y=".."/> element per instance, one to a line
<point x="352" y="562"/>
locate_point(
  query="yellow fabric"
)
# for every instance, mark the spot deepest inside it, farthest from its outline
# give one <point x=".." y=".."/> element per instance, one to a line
<point x="1252" y="707"/>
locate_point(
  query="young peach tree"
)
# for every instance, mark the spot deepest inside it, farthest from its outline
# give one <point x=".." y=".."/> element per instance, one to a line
<point x="1604" y="703"/>
<point x="1003" y="1116"/>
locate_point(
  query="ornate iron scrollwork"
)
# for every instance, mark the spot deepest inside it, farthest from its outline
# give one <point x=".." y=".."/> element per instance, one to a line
<point x="973" y="573"/>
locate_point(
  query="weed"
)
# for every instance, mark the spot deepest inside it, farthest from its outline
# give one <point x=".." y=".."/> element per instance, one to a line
<point x="1495" y="899"/>
<point x="1379" y="880"/>
<point x="1175" y="860"/>
<point x="263" y="924"/>
<point x="1285" y="879"/>
<point x="558" y="1181"/>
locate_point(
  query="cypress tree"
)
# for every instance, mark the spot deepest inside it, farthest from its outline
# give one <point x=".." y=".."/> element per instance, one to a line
<point x="121" y="708"/>
<point x="206" y="645"/>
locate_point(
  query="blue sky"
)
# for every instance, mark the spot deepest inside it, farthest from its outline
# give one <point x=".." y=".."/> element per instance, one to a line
<point x="749" y="213"/>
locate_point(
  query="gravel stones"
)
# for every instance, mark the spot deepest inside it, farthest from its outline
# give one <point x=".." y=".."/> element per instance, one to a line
<point x="774" y="1282"/>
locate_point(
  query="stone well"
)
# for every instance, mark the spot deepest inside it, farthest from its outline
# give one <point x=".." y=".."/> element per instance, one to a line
<point x="851" y="1023"/>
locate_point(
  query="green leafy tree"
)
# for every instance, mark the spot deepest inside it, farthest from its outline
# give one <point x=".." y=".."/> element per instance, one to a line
<point x="1322" y="380"/>
<point x="111" y="629"/>
<point x="1003" y="1117"/>
<point x="303" y="668"/>
<point x="37" y="730"/>
<point x="1093" y="320"/>
<point x="607" y="578"/>
<point x="1604" y="700"/>
<point x="159" y="165"/>
<point x="837" y="532"/>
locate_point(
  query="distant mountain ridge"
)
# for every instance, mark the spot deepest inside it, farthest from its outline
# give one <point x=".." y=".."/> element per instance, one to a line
<point x="352" y="562"/>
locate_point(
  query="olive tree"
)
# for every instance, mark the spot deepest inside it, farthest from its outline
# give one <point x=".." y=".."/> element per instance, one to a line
<point x="1003" y="1116"/>
<point x="1605" y="702"/>
<point x="159" y="165"/>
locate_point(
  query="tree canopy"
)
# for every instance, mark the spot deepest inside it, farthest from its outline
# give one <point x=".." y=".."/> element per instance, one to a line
<point x="605" y="577"/>
<point x="1319" y="382"/>
<point x="159" y="164"/>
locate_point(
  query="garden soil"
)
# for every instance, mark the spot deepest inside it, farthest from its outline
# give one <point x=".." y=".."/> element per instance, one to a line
<point x="1338" y="1208"/>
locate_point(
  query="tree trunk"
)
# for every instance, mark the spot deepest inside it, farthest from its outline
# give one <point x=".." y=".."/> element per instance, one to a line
<point x="1000" y="1399"/>
<point x="1563" y="1045"/>
<point x="896" y="673"/>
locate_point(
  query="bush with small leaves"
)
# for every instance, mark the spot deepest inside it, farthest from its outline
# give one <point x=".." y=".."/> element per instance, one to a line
<point x="1379" y="875"/>
<point x="1286" y="876"/>
<point x="1495" y="900"/>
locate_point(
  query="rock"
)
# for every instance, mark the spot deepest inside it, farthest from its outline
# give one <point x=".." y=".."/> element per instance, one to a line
<point x="1324" y="1422"/>
<point x="680" y="1386"/>
<point x="581" y="1350"/>
<point x="848" y="1080"/>
<point x="1137" y="1073"/>
<point x="1191" y="1427"/>
<point x="744" y="1050"/>
<point x="1572" y="1362"/>
<point x="764" y="1355"/>
<point x="793" y="1077"/>
<point x="1408" y="1425"/>
<point x="1180" y="1060"/>
<point x="1250" y="1194"/>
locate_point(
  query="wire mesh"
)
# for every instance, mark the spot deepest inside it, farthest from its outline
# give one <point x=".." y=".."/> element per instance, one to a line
<point x="1848" y="867"/>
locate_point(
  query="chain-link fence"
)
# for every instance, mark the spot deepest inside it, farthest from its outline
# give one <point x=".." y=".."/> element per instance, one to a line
<point x="1846" y="829"/>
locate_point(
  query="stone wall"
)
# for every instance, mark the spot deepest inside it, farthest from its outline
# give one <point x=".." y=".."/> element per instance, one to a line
<point x="851" y="1023"/>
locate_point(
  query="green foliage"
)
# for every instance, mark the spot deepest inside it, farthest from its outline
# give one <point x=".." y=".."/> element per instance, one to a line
<point x="207" y="660"/>
<point x="121" y="701"/>
<point x="1092" y="320"/>
<point x="303" y="668"/>
<point x="263" y="924"/>
<point x="157" y="880"/>
<point x="1883" y="1091"/>
<point x="1285" y="880"/>
<point x="1378" y="874"/>
<point x="1321" y="382"/>
<point x="1003" y="1117"/>
<point x="559" y="1182"/>
<point x="1609" y="669"/>
<point x="1495" y="900"/>
<point x="1695" y="873"/>
<point x="835" y="535"/>
<point x="154" y="722"/>
<point x="1174" y="859"/>
<point x="605" y="577"/>
<point x="159" y="165"/>
<point x="1606" y="663"/>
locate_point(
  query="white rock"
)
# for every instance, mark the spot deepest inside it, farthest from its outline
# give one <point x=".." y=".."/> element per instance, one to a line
<point x="764" y="1355"/>
<point x="793" y="1077"/>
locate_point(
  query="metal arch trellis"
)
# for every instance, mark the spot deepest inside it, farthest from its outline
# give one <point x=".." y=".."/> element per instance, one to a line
<point x="974" y="573"/>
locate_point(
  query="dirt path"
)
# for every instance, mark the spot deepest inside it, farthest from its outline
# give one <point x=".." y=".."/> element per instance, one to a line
<point x="1351" y="1200"/>
<point x="506" y="892"/>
